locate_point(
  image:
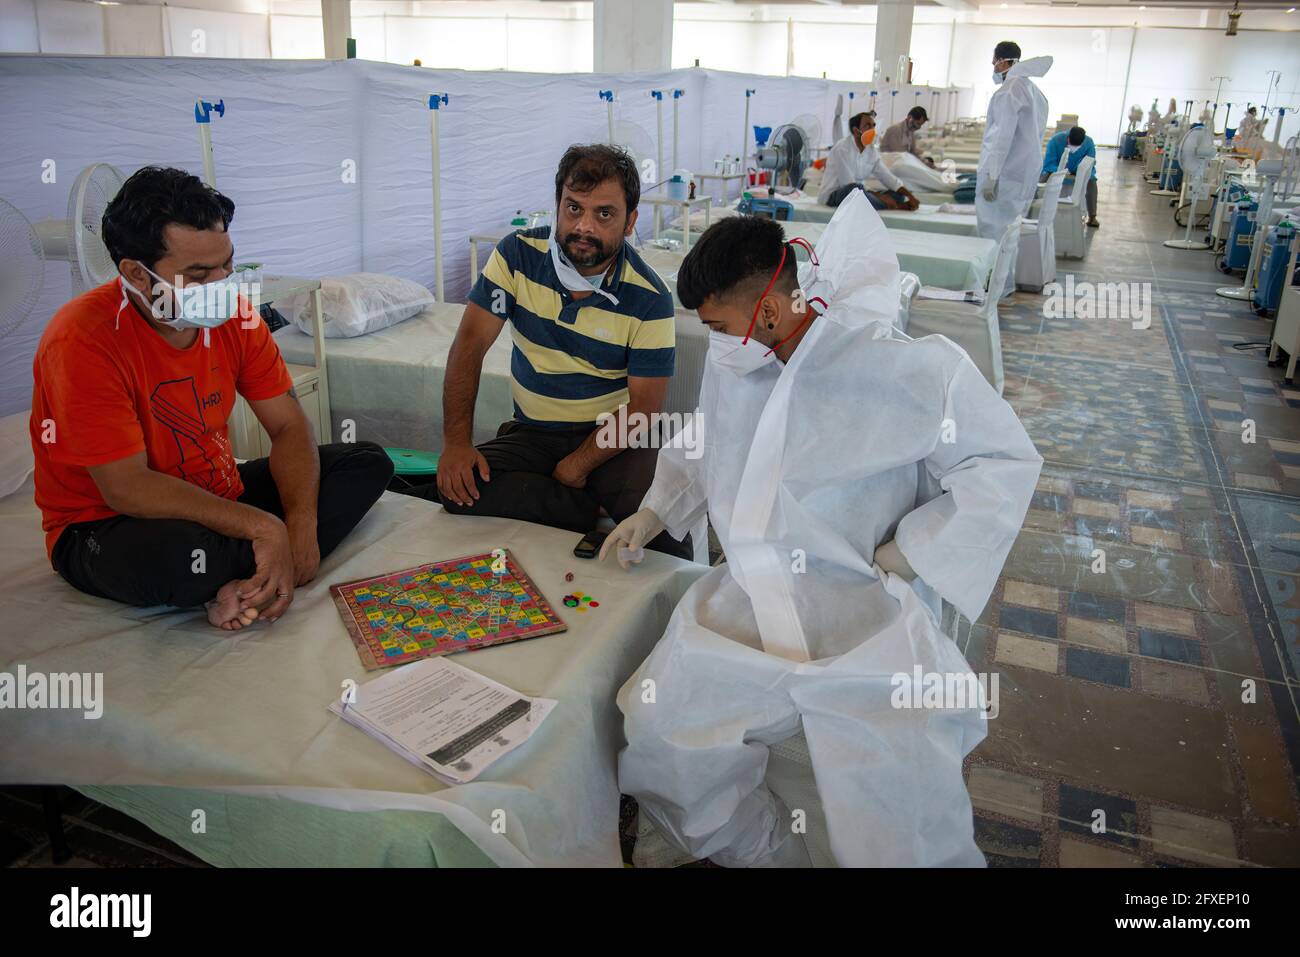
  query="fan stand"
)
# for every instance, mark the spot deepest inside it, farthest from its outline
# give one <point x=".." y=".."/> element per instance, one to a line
<point x="1195" y="193"/>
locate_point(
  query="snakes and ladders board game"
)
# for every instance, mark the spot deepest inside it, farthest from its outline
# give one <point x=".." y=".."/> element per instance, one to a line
<point x="443" y="608"/>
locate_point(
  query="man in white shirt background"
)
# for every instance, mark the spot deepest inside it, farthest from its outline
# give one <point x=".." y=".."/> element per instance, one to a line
<point x="853" y="161"/>
<point x="901" y="137"/>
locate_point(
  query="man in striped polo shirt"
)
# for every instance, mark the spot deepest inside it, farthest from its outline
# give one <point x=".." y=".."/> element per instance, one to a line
<point x="592" y="326"/>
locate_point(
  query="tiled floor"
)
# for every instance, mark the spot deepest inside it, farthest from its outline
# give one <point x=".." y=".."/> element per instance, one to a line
<point x="1158" y="695"/>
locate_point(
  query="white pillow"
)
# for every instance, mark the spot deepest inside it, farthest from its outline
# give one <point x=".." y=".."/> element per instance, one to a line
<point x="359" y="303"/>
<point x="16" y="459"/>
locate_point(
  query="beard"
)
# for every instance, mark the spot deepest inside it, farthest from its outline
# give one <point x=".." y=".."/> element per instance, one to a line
<point x="584" y="257"/>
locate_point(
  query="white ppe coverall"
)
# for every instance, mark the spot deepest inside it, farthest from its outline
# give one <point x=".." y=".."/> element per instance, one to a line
<point x="1011" y="153"/>
<point x="806" y="468"/>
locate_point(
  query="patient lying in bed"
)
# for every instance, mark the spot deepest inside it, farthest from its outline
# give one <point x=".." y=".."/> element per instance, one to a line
<point x="140" y="495"/>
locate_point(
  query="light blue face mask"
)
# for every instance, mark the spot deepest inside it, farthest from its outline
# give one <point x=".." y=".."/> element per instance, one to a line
<point x="196" y="305"/>
<point x="573" y="280"/>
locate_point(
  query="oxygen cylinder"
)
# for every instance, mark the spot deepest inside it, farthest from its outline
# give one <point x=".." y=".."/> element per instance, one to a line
<point x="1236" y="255"/>
<point x="1272" y="267"/>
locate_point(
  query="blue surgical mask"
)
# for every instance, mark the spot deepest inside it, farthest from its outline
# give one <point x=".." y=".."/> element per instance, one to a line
<point x="998" y="77"/>
<point x="197" y="305"/>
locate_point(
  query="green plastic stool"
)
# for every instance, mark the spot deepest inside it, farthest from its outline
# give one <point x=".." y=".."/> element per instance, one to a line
<point x="411" y="465"/>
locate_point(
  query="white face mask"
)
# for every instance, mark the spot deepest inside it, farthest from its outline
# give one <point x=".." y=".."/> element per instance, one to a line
<point x="569" y="276"/>
<point x="197" y="305"/>
<point x="736" y="355"/>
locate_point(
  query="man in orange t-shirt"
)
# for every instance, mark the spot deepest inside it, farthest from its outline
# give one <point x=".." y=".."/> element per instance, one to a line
<point x="141" y="498"/>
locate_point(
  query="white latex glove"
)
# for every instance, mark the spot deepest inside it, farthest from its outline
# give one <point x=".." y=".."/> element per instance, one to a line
<point x="891" y="559"/>
<point x="990" y="190"/>
<point x="632" y="533"/>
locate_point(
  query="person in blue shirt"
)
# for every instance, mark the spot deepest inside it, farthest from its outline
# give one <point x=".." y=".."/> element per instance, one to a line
<point x="1072" y="147"/>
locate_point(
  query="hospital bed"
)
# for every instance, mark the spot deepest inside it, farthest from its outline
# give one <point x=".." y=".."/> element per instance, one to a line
<point x="808" y="210"/>
<point x="927" y="218"/>
<point x="388" y="383"/>
<point x="237" y="727"/>
<point x="948" y="262"/>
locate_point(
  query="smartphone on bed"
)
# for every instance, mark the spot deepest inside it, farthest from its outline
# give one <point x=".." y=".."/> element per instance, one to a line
<point x="589" y="547"/>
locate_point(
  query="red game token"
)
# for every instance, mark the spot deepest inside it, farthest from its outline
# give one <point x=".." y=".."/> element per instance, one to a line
<point x="594" y="604"/>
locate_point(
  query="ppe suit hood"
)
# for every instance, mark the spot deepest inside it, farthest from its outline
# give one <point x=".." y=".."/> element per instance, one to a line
<point x="857" y="281"/>
<point x="1034" y="66"/>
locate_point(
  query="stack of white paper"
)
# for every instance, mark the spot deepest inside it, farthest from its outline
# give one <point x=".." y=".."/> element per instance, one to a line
<point x="443" y="717"/>
<point x="975" y="297"/>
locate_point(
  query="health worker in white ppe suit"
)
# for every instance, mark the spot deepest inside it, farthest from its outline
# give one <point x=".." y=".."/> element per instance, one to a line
<point x="854" y="477"/>
<point x="1006" y="178"/>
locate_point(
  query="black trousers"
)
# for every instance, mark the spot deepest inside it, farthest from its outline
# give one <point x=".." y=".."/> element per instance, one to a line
<point x="153" y="561"/>
<point x="841" y="194"/>
<point x="522" y="459"/>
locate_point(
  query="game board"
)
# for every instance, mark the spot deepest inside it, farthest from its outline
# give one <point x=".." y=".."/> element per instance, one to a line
<point x="443" y="608"/>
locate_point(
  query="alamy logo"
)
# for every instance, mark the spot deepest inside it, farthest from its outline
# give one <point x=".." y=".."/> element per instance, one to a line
<point x="949" y="690"/>
<point x="656" y="430"/>
<point x="1129" y="301"/>
<point x="103" y="910"/>
<point x="57" y="690"/>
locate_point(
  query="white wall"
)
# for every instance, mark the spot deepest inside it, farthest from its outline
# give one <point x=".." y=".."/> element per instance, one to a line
<point x="66" y="26"/>
<point x="528" y="35"/>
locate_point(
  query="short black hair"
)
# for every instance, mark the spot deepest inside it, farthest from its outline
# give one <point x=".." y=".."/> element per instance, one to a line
<point x="855" y="121"/>
<point x="1006" y="50"/>
<point x="153" y="198"/>
<point x="584" y="167"/>
<point x="733" y="255"/>
<point x="1076" y="135"/>
<point x="918" y="113"/>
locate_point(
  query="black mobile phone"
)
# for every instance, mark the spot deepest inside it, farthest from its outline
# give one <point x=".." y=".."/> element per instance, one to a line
<point x="589" y="547"/>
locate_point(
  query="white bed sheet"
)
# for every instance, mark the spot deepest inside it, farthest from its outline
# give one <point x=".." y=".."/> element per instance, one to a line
<point x="187" y="706"/>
